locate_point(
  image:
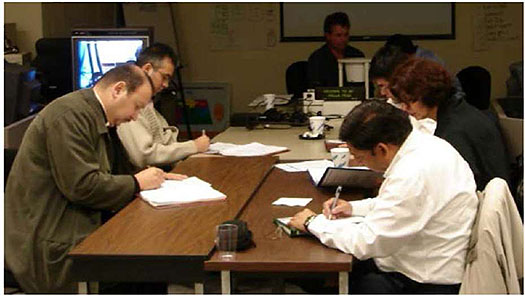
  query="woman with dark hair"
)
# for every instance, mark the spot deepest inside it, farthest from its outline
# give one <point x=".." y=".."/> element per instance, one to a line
<point x="424" y="90"/>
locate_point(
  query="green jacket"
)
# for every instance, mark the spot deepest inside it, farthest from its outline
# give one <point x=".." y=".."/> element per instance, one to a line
<point x="58" y="187"/>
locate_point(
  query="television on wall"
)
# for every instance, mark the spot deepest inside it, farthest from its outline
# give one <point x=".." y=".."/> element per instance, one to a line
<point x="96" y="51"/>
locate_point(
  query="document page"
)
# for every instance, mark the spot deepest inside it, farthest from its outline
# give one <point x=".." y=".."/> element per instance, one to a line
<point x="253" y="149"/>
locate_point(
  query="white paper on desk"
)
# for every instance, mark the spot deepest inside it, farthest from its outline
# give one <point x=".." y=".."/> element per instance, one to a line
<point x="252" y="149"/>
<point x="175" y="192"/>
<point x="316" y="174"/>
<point x="292" y="201"/>
<point x="341" y="224"/>
<point x="303" y="166"/>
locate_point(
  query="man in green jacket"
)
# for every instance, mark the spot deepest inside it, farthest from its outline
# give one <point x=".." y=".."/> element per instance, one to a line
<point x="64" y="178"/>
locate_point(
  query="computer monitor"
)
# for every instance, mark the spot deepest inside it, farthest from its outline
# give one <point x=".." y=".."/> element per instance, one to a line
<point x="96" y="51"/>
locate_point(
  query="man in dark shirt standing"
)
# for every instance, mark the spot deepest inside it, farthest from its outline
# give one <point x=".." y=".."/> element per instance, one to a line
<point x="322" y="64"/>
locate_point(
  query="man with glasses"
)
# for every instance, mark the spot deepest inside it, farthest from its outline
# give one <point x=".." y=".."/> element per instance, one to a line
<point x="149" y="140"/>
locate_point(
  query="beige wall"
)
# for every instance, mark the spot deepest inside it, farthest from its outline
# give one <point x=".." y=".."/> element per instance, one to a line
<point x="254" y="72"/>
<point x="28" y="19"/>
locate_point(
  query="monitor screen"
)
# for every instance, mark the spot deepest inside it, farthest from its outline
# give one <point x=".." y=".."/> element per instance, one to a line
<point x="97" y="51"/>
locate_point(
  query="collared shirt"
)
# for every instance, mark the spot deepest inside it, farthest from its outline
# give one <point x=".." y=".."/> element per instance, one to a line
<point x="425" y="125"/>
<point x="103" y="107"/>
<point x="420" y="222"/>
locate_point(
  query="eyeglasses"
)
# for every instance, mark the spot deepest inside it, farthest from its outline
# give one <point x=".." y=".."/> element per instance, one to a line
<point x="150" y="81"/>
<point x="165" y="77"/>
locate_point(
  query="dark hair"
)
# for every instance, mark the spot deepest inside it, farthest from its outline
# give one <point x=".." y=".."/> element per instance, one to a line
<point x="421" y="80"/>
<point x="385" y="61"/>
<point x="373" y="122"/>
<point x="336" y="18"/>
<point x="154" y="54"/>
<point x="402" y="41"/>
<point x="129" y="73"/>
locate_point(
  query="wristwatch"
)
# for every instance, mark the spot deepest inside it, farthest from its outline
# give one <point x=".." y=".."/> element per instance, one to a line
<point x="308" y="220"/>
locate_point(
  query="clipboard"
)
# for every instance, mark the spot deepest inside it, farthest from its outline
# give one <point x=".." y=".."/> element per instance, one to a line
<point x="352" y="177"/>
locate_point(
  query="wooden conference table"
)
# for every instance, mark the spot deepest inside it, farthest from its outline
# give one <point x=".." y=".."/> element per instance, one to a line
<point x="144" y="244"/>
<point x="282" y="254"/>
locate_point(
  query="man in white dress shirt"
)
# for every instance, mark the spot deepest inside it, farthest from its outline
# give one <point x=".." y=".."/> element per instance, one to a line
<point x="415" y="233"/>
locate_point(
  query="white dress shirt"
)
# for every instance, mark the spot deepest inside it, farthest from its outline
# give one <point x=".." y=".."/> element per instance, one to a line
<point x="420" y="222"/>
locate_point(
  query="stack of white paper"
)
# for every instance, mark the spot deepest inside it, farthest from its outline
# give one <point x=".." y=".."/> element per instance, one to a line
<point x="252" y="149"/>
<point x="174" y="192"/>
<point x="303" y="166"/>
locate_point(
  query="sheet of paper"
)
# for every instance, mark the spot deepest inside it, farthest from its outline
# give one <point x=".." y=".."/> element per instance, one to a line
<point x="292" y="201"/>
<point x="336" y="223"/>
<point x="339" y="225"/>
<point x="252" y="149"/>
<point x="316" y="174"/>
<point x="303" y="166"/>
<point x="219" y="147"/>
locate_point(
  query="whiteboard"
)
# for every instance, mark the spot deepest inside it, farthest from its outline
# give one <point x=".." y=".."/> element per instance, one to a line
<point x="369" y="21"/>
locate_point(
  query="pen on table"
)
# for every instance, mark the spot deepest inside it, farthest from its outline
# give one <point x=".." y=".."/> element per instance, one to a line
<point x="334" y="202"/>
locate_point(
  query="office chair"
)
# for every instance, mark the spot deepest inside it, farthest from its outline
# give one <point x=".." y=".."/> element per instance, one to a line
<point x="297" y="79"/>
<point x="54" y="70"/>
<point x="494" y="263"/>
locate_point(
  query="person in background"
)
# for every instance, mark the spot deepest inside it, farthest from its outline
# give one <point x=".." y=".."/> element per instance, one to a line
<point x="414" y="235"/>
<point x="424" y="90"/>
<point x="322" y="63"/>
<point x="62" y="180"/>
<point x="149" y="140"/>
<point x="382" y="66"/>
<point x="405" y="44"/>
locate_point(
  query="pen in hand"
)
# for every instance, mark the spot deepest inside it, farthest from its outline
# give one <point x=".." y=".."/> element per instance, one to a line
<point x="334" y="202"/>
<point x="204" y="132"/>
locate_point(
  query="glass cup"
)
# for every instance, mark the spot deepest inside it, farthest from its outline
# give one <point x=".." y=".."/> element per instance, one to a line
<point x="226" y="241"/>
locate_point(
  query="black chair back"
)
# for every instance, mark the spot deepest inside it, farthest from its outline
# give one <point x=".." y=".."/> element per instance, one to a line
<point x="475" y="81"/>
<point x="54" y="67"/>
<point x="297" y="79"/>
